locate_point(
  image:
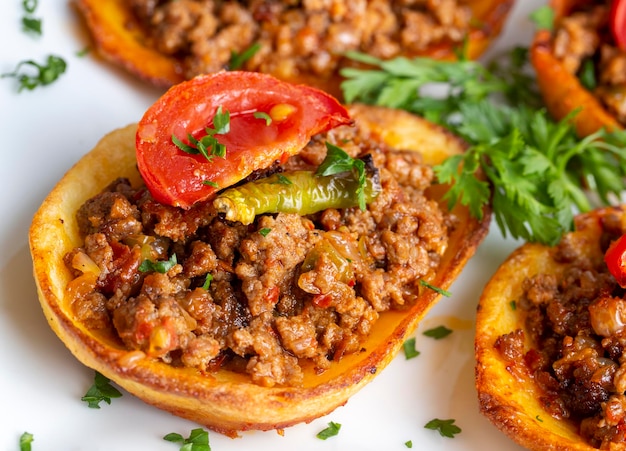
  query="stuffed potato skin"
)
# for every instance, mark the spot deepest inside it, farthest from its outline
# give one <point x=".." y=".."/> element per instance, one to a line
<point x="119" y="38"/>
<point x="561" y="90"/>
<point x="507" y="392"/>
<point x="226" y="401"/>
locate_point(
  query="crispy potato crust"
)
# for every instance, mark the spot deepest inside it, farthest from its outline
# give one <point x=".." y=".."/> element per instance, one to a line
<point x="119" y="38"/>
<point x="225" y="401"/>
<point x="562" y="91"/>
<point x="508" y="396"/>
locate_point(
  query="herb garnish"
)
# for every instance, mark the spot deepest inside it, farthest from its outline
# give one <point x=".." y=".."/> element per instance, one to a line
<point x="446" y="428"/>
<point x="162" y="266"/>
<point x="535" y="167"/>
<point x="438" y="290"/>
<point x="26" y="440"/>
<point x="238" y="59"/>
<point x="543" y="17"/>
<point x="207" y="281"/>
<point x="198" y="440"/>
<point x="410" y="351"/>
<point x="101" y="390"/>
<point x="263" y="115"/>
<point x="208" y="145"/>
<point x="264" y="231"/>
<point x="408" y="444"/>
<point x="337" y="161"/>
<point x="438" y="332"/>
<point x="30" y="24"/>
<point x="330" y="431"/>
<point x="45" y="74"/>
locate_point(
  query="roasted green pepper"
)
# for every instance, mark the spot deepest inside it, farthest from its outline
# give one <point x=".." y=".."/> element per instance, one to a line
<point x="301" y="192"/>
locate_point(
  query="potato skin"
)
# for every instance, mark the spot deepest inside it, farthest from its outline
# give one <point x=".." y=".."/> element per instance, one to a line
<point x="225" y="401"/>
<point x="562" y="92"/>
<point x="508" y="396"/>
<point x="118" y="37"/>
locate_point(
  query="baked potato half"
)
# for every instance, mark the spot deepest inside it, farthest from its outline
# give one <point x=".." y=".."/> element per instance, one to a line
<point x="560" y="83"/>
<point x="223" y="400"/>
<point x="525" y="379"/>
<point x="120" y="37"/>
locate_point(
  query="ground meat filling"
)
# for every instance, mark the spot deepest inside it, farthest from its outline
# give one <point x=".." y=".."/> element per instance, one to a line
<point x="192" y="289"/>
<point x="577" y="325"/>
<point x="584" y="44"/>
<point x="294" y="36"/>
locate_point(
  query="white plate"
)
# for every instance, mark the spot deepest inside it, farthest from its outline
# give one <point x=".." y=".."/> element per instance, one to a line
<point x="43" y="133"/>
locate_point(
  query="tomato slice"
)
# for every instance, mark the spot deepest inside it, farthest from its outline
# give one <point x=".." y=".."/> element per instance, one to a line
<point x="618" y="23"/>
<point x="178" y="178"/>
<point x="615" y="259"/>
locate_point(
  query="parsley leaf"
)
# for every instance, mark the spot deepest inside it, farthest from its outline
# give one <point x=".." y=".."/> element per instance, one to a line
<point x="410" y="351"/>
<point x="31" y="25"/>
<point x="238" y="59"/>
<point x="438" y="332"/>
<point x="265" y="231"/>
<point x="101" y="390"/>
<point x="26" y="440"/>
<point x="45" y="73"/>
<point x="158" y="266"/>
<point x="198" y="440"/>
<point x="337" y="161"/>
<point x="330" y="431"/>
<point x="446" y="428"/>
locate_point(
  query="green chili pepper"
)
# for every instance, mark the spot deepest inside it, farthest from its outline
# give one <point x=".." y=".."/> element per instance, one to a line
<point x="306" y="193"/>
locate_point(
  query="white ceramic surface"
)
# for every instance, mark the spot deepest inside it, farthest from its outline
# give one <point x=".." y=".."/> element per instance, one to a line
<point x="43" y="133"/>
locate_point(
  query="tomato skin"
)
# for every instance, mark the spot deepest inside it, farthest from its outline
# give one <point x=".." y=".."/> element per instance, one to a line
<point x="615" y="259"/>
<point x="180" y="179"/>
<point x="618" y="23"/>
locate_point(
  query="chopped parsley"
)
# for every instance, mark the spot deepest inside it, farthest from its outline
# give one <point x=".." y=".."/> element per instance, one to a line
<point x="263" y="115"/>
<point x="30" y="24"/>
<point x="162" y="266"/>
<point x="207" y="145"/>
<point x="207" y="281"/>
<point x="446" y="428"/>
<point x="210" y="183"/>
<point x="410" y="351"/>
<point x="238" y="59"/>
<point x="438" y="332"/>
<point x="198" y="440"/>
<point x="408" y="444"/>
<point x="337" y="161"/>
<point x="265" y="231"/>
<point x="43" y="75"/>
<point x="438" y="290"/>
<point x="330" y="431"/>
<point x="26" y="440"/>
<point x="101" y="390"/>
<point x="513" y="305"/>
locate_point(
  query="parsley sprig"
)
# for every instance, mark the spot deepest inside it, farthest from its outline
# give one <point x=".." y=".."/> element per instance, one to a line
<point x="538" y="171"/>
<point x="43" y="74"/>
<point x="101" y="390"/>
<point x="198" y="440"/>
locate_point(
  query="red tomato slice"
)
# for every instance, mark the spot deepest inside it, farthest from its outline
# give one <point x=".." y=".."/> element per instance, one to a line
<point x="181" y="179"/>
<point x="615" y="259"/>
<point x="618" y="23"/>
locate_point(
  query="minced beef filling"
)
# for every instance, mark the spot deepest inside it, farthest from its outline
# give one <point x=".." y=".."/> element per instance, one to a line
<point x="294" y="36"/>
<point x="577" y="325"/>
<point x="263" y="298"/>
<point x="584" y="38"/>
